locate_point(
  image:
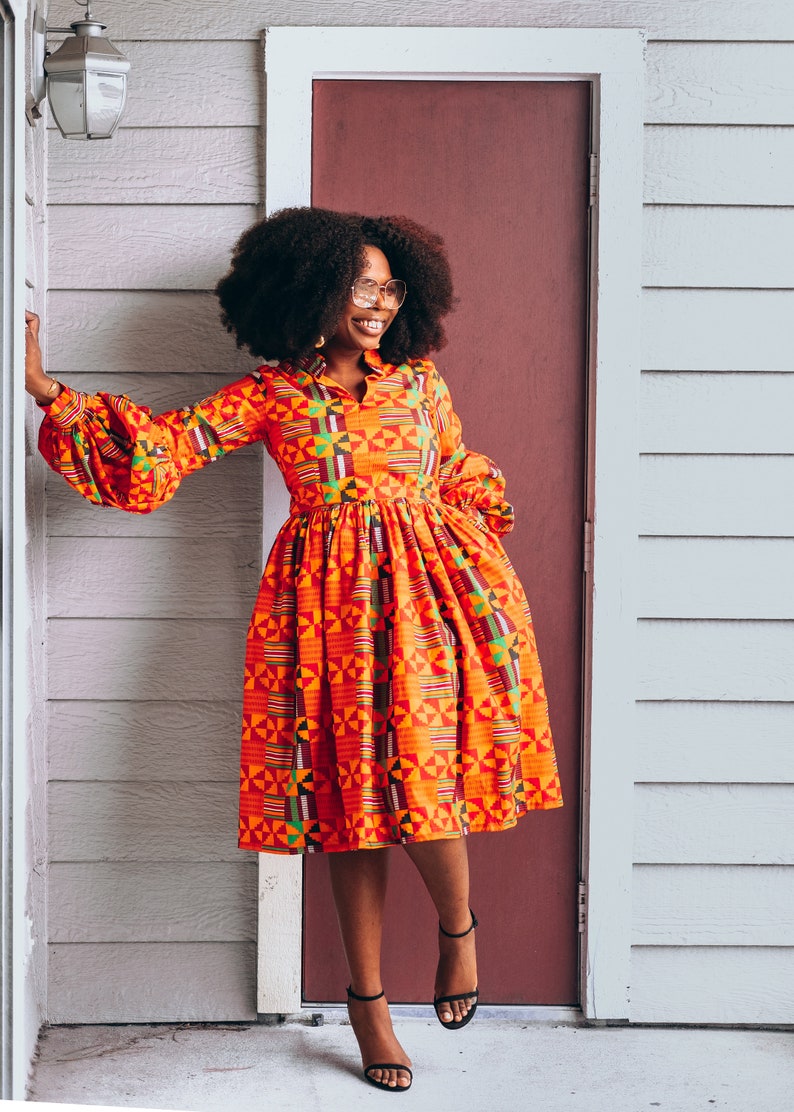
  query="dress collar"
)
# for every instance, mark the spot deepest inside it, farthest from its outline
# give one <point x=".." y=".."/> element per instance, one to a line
<point x="374" y="361"/>
<point x="314" y="364"/>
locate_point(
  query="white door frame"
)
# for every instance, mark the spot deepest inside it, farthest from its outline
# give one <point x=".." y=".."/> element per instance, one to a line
<point x="614" y="62"/>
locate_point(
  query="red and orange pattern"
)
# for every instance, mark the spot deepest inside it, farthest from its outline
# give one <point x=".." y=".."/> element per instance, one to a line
<point x="392" y="686"/>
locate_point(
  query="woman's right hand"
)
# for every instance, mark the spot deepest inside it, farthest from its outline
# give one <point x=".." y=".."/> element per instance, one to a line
<point x="43" y="388"/>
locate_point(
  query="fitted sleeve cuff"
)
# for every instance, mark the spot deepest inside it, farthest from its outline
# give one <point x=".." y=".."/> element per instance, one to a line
<point x="67" y="409"/>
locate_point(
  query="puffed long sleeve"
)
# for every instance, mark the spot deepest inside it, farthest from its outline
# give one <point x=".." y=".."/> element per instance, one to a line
<point x="116" y="453"/>
<point x="468" y="480"/>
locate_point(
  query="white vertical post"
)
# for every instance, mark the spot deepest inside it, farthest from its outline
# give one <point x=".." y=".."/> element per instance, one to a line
<point x="608" y="804"/>
<point x="280" y="947"/>
<point x="280" y="920"/>
<point x="16" y="865"/>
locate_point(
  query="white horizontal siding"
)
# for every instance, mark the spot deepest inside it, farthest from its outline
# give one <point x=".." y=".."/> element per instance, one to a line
<point x="135" y="982"/>
<point x="723" y="496"/>
<point x="172" y="577"/>
<point x="707" y="824"/>
<point x="723" y="414"/>
<point x="712" y="577"/>
<point x="152" y="166"/>
<point x="174" y="247"/>
<point x="712" y="984"/>
<point x="121" y="901"/>
<point x="715" y="765"/>
<point x="719" y="165"/>
<point x="143" y="822"/>
<point x="717" y="330"/>
<point x="728" y="742"/>
<point x="237" y="19"/>
<point x="713" y="905"/>
<point x="148" y="890"/>
<point x="151" y="658"/>
<point x="716" y="660"/>
<point x="172" y="740"/>
<point x="101" y="332"/>
<point x="707" y="246"/>
<point x="727" y="83"/>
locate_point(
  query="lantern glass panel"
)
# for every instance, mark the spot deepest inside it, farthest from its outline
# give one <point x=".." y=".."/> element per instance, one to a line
<point x="67" y="101"/>
<point x="105" y="94"/>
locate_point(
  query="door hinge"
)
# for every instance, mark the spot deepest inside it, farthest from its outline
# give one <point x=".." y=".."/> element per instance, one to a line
<point x="588" y="547"/>
<point x="581" y="904"/>
<point x="593" y="179"/>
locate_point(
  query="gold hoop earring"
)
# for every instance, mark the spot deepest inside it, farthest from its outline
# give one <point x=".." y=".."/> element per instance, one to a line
<point x="321" y="342"/>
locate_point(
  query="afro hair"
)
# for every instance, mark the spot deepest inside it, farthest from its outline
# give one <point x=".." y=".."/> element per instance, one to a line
<point x="291" y="274"/>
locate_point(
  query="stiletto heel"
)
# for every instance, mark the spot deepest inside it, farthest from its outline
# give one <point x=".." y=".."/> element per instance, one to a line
<point x="381" y="1065"/>
<point x="456" y="1024"/>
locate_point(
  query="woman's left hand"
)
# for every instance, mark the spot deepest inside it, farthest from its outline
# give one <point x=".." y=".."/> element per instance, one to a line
<point x="43" y="388"/>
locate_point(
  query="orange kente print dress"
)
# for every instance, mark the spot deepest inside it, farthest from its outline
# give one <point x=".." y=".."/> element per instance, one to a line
<point x="392" y="685"/>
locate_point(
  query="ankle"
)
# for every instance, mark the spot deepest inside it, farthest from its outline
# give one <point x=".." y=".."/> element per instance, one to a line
<point x="459" y="928"/>
<point x="365" y="997"/>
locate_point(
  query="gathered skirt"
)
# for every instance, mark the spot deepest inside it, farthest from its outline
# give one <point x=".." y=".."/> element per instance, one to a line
<point x="393" y="691"/>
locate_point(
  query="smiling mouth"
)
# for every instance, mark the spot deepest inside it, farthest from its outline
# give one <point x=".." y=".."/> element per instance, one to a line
<point x="370" y="324"/>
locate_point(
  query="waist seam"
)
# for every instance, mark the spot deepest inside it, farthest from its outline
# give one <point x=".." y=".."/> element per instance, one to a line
<point x="327" y="507"/>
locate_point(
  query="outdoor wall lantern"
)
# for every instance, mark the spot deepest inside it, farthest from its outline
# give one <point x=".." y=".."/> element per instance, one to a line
<point x="85" y="78"/>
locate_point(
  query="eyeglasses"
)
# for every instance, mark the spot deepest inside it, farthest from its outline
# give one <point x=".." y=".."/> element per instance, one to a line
<point x="364" y="293"/>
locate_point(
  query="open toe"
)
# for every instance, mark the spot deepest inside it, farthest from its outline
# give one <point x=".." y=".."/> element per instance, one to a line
<point x="469" y="999"/>
<point x="456" y="1024"/>
<point x="387" y="1085"/>
<point x="394" y="1084"/>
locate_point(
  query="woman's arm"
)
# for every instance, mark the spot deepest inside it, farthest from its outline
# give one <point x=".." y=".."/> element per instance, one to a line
<point x="468" y="480"/>
<point x="38" y="384"/>
<point x="115" y="453"/>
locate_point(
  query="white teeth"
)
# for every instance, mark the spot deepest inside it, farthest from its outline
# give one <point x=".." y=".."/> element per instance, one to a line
<point x="371" y="325"/>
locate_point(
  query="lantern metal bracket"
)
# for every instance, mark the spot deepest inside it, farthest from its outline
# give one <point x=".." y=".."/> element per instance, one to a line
<point x="38" y="51"/>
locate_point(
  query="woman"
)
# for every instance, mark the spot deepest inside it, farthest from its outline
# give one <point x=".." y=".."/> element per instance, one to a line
<point x="392" y="688"/>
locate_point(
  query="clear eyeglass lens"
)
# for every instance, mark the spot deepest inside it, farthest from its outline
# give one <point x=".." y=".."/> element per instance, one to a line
<point x="366" y="290"/>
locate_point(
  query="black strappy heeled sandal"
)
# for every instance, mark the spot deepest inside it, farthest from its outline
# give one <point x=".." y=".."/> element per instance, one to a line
<point x="456" y="1024"/>
<point x="382" y="1065"/>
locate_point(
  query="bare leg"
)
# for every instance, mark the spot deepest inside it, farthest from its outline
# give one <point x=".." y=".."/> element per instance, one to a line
<point x="444" y="868"/>
<point x="358" y="881"/>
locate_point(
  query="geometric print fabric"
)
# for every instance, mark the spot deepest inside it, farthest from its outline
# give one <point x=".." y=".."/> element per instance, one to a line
<point x="392" y="687"/>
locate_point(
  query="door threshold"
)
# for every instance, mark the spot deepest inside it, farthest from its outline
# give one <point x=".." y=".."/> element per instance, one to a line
<point x="316" y="1015"/>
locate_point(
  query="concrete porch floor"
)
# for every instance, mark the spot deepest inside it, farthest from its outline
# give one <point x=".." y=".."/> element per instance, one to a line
<point x="494" y="1063"/>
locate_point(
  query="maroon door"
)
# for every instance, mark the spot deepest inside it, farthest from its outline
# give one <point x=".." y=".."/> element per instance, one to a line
<point x="500" y="169"/>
